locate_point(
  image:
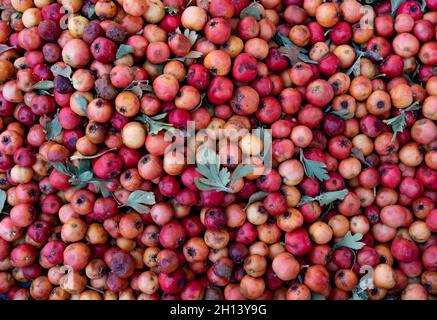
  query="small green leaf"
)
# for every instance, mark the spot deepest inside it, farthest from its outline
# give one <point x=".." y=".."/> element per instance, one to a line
<point x="41" y="92"/>
<point x="53" y="128"/>
<point x="304" y="58"/>
<point x="145" y="86"/>
<point x="123" y="50"/>
<point x="358" y="294"/>
<point x="325" y="198"/>
<point x="395" y="5"/>
<point x="413" y="107"/>
<point x="350" y="241"/>
<point x="137" y="91"/>
<point x="292" y="53"/>
<point x="16" y="15"/>
<point x="305" y="200"/>
<point x="65" y="72"/>
<point x="202" y="184"/>
<point x="344" y="114"/>
<point x="79" y="176"/>
<point x="159" y="116"/>
<point x="43" y="85"/>
<point x="203" y="169"/>
<point x="138" y="200"/>
<point x="358" y="154"/>
<point x="142" y="197"/>
<point x="406" y="76"/>
<point x="82" y="102"/>
<point x="252" y="10"/>
<point x="283" y="40"/>
<point x="138" y="87"/>
<point x="3" y="196"/>
<point x="61" y="168"/>
<point x="399" y="123"/>
<point x="372" y="55"/>
<point x="91" y="11"/>
<point x="75" y="171"/>
<point x="355" y="69"/>
<point x="84" y="165"/>
<point x="329" y="197"/>
<point x="241" y="171"/>
<point x="257" y="196"/>
<point x="75" y="181"/>
<point x="224" y="176"/>
<point x="216" y="178"/>
<point x="193" y="55"/>
<point x="205" y="185"/>
<point x="104" y="190"/>
<point x="100" y="186"/>
<point x="85" y="176"/>
<point x="153" y="126"/>
<point x="314" y="169"/>
<point x="295" y="54"/>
